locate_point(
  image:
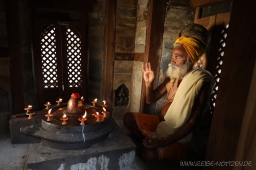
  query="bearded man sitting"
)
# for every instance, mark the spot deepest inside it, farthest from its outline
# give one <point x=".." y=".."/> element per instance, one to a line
<point x="166" y="135"/>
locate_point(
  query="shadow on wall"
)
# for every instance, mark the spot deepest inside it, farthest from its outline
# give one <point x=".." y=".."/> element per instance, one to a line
<point x="4" y="109"/>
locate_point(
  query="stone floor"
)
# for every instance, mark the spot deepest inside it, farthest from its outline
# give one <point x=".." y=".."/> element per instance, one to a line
<point x="13" y="156"/>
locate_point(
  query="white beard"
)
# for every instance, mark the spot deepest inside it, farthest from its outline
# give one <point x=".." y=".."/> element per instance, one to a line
<point x="175" y="71"/>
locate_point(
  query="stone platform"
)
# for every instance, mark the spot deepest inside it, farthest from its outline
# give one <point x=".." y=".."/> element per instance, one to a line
<point x="116" y="152"/>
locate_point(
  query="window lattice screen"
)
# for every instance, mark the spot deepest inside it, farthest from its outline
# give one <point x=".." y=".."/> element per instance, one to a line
<point x="222" y="45"/>
<point x="199" y="62"/>
<point x="48" y="54"/>
<point x="74" y="58"/>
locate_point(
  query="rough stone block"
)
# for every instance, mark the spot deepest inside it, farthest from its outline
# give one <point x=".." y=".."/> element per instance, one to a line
<point x="142" y="13"/>
<point x="123" y="69"/>
<point x="125" y="43"/>
<point x="116" y="152"/>
<point x="125" y="11"/>
<point x="125" y="3"/>
<point x="16" y="124"/>
<point x="180" y="13"/>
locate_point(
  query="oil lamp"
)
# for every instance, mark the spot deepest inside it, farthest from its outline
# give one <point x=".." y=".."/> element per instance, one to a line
<point x="47" y="105"/>
<point x="94" y="102"/>
<point x="83" y="118"/>
<point x="64" y="119"/>
<point x="104" y="112"/>
<point x="104" y="104"/>
<point x="28" y="108"/>
<point x="98" y="117"/>
<point x="59" y="101"/>
<point x="49" y="115"/>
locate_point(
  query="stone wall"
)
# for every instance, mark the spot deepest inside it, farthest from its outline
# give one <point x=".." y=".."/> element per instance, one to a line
<point x="122" y="75"/>
<point x="128" y="73"/>
<point x="137" y="78"/>
<point x="141" y="27"/>
<point x="140" y="45"/>
<point x="126" y="18"/>
<point x="125" y="26"/>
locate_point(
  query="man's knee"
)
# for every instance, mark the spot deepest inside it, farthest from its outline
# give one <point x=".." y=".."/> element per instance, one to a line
<point x="128" y="118"/>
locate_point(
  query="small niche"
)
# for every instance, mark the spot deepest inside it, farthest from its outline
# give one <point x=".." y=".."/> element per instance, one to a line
<point x="121" y="96"/>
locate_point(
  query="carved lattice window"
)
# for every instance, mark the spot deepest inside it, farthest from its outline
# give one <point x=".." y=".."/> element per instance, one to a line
<point x="74" y="58"/>
<point x="201" y="62"/>
<point x="60" y="59"/>
<point x="48" y="55"/>
<point x="222" y="45"/>
<point x="49" y="59"/>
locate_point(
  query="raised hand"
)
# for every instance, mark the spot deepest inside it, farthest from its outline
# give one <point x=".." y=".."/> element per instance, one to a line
<point x="148" y="74"/>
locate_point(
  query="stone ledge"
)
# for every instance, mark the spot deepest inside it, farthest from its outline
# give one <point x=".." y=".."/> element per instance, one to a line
<point x="116" y="152"/>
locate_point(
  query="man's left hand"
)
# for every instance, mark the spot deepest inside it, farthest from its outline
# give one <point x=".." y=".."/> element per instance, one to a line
<point x="152" y="142"/>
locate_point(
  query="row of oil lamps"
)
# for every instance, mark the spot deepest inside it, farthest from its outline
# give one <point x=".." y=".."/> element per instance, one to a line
<point x="64" y="118"/>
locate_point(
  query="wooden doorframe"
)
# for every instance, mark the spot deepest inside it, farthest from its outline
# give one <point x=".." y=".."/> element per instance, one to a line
<point x="233" y="92"/>
<point x="154" y="38"/>
<point x="109" y="51"/>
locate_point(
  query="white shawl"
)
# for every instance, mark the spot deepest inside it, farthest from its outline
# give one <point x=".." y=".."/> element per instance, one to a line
<point x="181" y="107"/>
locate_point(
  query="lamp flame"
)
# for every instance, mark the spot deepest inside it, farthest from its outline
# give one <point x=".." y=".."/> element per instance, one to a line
<point x="84" y="114"/>
<point x="49" y="111"/>
<point x="64" y="115"/>
<point x="104" y="102"/>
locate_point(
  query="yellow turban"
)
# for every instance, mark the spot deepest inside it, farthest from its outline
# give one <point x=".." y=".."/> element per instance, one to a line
<point x="192" y="47"/>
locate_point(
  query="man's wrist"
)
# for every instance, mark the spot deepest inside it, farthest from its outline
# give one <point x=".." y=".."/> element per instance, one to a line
<point x="148" y="84"/>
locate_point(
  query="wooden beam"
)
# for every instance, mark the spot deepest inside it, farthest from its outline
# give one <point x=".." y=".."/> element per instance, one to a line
<point x="201" y="3"/>
<point x="69" y="6"/>
<point x="109" y="52"/>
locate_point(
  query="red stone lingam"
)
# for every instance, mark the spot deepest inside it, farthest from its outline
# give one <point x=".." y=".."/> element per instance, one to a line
<point x="75" y="104"/>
